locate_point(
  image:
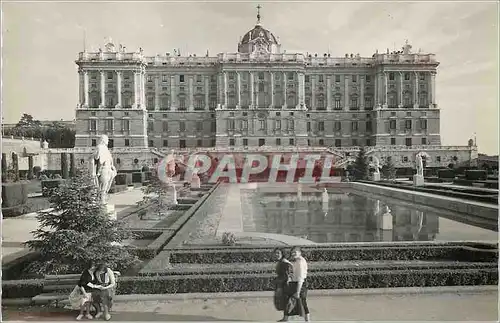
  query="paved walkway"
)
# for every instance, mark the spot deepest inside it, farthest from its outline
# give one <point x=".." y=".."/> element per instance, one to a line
<point x="436" y="306"/>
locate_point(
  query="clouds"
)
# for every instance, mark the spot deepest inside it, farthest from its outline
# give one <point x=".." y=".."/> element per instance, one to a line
<point x="41" y="41"/>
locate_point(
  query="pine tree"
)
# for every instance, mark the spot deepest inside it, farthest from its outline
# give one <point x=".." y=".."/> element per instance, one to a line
<point x="77" y="230"/>
<point x="389" y="169"/>
<point x="361" y="167"/>
<point x="155" y="196"/>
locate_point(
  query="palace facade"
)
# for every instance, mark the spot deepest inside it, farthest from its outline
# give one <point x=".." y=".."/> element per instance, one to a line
<point x="260" y="96"/>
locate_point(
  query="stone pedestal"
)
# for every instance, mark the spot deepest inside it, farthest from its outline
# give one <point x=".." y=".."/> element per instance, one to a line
<point x="110" y="210"/>
<point x="376" y="177"/>
<point x="195" y="181"/>
<point x="173" y="195"/>
<point x="418" y="180"/>
<point x="386" y="221"/>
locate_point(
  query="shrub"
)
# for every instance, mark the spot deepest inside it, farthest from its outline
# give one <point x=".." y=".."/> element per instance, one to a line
<point x="49" y="185"/>
<point x="26" y="288"/>
<point x="121" y="179"/>
<point x="77" y="230"/>
<point x="476" y="175"/>
<point x="361" y="167"/>
<point x="37" y="170"/>
<point x="372" y="278"/>
<point x="155" y="197"/>
<point x="228" y="239"/>
<point x="389" y="169"/>
<point x="446" y="173"/>
<point x="137" y="177"/>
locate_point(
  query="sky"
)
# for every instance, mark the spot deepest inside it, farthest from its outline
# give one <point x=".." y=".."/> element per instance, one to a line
<point x="41" y="42"/>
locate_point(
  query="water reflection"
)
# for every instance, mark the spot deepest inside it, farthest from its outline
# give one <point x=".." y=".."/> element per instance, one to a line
<point x="342" y="217"/>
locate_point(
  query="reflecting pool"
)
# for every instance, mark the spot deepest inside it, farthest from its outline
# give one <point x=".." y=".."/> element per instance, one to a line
<point x="349" y="216"/>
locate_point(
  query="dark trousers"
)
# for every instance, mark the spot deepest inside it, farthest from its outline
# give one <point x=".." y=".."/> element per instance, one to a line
<point x="292" y="289"/>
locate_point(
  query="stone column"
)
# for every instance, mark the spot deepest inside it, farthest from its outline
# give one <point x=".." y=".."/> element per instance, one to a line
<point x="137" y="87"/>
<point x="376" y="90"/>
<point x="271" y="74"/>
<point x="119" y="89"/>
<point x="415" y="91"/>
<point x="207" y="91"/>
<point x="238" y="89"/>
<point x="225" y="91"/>
<point x="143" y="88"/>
<point x="191" y="93"/>
<point x="302" y="89"/>
<point x="313" y="92"/>
<point x="252" y="91"/>
<point x="81" y="88"/>
<point x="433" y="90"/>
<point x="362" y="92"/>
<point x="86" y="88"/>
<point x="157" y="92"/>
<point x="103" y="90"/>
<point x="346" y="92"/>
<point x="284" y="90"/>
<point x="386" y="86"/>
<point x="173" y="101"/>
<point x="329" y="93"/>
<point x="400" y="94"/>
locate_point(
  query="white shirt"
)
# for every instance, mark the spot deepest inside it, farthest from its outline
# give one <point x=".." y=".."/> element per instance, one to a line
<point x="299" y="269"/>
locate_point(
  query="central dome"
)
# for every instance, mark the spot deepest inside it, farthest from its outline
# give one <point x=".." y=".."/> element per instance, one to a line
<point x="259" y="40"/>
<point x="259" y="32"/>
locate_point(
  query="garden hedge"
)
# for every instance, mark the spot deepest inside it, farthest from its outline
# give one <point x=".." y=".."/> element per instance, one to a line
<point x="137" y="177"/>
<point x="446" y="173"/>
<point x="264" y="282"/>
<point x="121" y="179"/>
<point x="314" y="267"/>
<point x="367" y="253"/>
<point x="335" y="280"/>
<point x="21" y="288"/>
<point x="476" y="175"/>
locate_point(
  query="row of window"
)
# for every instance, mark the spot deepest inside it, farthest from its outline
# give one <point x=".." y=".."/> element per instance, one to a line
<point x="260" y="75"/>
<point x="275" y="141"/>
<point x="262" y="125"/>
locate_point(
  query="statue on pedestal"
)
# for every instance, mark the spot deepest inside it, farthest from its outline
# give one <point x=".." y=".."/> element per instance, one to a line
<point x="376" y="165"/>
<point x="103" y="169"/>
<point x="419" y="164"/>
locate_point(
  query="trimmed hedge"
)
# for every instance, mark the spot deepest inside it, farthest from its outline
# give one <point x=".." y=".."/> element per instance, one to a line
<point x="446" y="173"/>
<point x="475" y="175"/>
<point x="335" y="280"/>
<point x="14" y="194"/>
<point x="14" y="268"/>
<point x="21" y="288"/>
<point x="373" y="253"/>
<point x="264" y="282"/>
<point x="121" y="179"/>
<point x="137" y="177"/>
<point x="49" y="184"/>
<point x="314" y="267"/>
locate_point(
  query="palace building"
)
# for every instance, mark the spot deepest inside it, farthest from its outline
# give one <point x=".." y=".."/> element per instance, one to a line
<point x="260" y="96"/>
